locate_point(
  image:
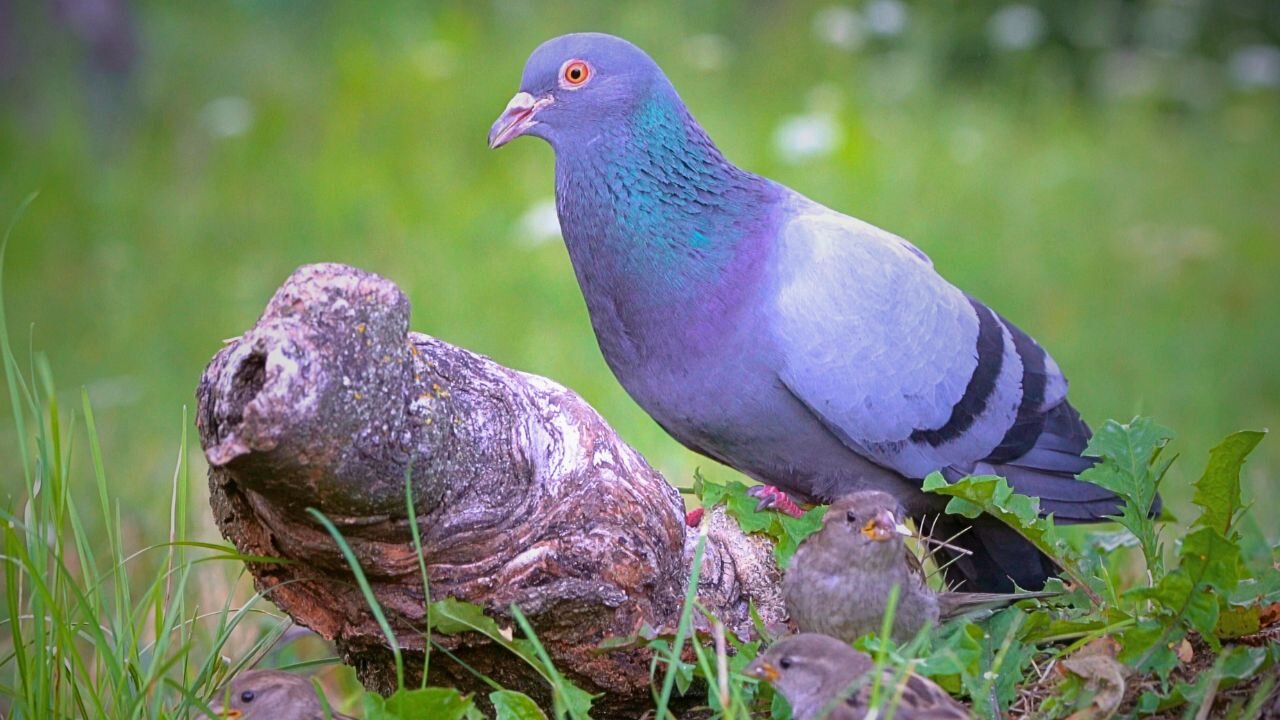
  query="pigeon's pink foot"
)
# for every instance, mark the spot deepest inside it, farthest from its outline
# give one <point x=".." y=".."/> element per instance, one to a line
<point x="772" y="497"/>
<point x="693" y="518"/>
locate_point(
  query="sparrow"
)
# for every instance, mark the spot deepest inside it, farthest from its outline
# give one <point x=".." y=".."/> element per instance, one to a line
<point x="840" y="577"/>
<point x="270" y="695"/>
<point x="822" y="677"/>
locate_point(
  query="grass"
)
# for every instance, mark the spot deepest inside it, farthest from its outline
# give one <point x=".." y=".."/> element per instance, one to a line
<point x="124" y="636"/>
<point x="94" y="627"/>
<point x="108" y="624"/>
<point x="1137" y="243"/>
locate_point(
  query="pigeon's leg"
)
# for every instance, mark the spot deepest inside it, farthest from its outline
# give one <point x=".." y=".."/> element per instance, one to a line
<point x="772" y="497"/>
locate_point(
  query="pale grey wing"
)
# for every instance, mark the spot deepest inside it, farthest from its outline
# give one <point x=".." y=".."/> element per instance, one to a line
<point x="916" y="375"/>
<point x="902" y="366"/>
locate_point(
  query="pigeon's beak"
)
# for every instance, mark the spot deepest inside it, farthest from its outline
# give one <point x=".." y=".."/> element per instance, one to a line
<point x="762" y="669"/>
<point x="516" y="119"/>
<point x="883" y="526"/>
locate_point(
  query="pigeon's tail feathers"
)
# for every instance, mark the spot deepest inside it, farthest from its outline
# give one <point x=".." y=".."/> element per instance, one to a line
<point x="997" y="558"/>
<point x="955" y="604"/>
<point x="1070" y="500"/>
<point x="1049" y="469"/>
<point x="1059" y="446"/>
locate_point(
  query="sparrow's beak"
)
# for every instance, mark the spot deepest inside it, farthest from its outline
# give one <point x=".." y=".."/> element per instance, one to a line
<point x="762" y="669"/>
<point x="220" y="714"/>
<point x="516" y="119"/>
<point x="883" y="526"/>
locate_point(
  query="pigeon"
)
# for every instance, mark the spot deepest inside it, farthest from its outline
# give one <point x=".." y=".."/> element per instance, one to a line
<point x="809" y="350"/>
<point x="270" y="695"/>
<point x="822" y="677"/>
<point x="839" y="579"/>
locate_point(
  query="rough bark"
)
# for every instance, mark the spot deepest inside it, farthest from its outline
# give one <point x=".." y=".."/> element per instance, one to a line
<point x="523" y="495"/>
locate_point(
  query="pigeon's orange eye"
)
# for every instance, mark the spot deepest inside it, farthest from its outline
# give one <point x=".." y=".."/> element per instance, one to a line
<point x="576" y="73"/>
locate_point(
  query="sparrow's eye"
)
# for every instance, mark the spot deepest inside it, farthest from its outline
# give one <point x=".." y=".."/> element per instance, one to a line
<point x="575" y="73"/>
<point x="784" y="663"/>
<point x="247" y="696"/>
<point x="852" y="517"/>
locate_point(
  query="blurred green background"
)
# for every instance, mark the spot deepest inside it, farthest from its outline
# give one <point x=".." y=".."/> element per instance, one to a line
<point x="1107" y="174"/>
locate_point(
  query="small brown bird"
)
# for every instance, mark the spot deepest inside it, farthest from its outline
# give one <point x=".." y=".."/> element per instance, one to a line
<point x="840" y="577"/>
<point x="822" y="677"/>
<point x="270" y="695"/>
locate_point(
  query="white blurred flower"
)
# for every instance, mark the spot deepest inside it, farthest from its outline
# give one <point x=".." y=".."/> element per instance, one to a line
<point x="707" y="53"/>
<point x="539" y="224"/>
<point x="839" y="26"/>
<point x="227" y="117"/>
<point x="1255" y="66"/>
<point x="1016" y="27"/>
<point x="803" y="137"/>
<point x="886" y="17"/>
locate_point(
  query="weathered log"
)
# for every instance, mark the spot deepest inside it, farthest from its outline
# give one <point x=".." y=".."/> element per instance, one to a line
<point x="523" y="494"/>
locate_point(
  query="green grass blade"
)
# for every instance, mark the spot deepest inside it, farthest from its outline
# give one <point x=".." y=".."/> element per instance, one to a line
<point x="369" y="597"/>
<point x="684" y="628"/>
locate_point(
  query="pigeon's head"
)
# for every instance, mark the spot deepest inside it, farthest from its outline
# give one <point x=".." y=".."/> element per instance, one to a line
<point x="809" y="670"/>
<point x="869" y="521"/>
<point x="268" y="695"/>
<point x="575" y="87"/>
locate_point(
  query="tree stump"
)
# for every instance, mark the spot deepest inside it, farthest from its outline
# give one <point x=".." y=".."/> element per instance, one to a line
<point x="523" y="495"/>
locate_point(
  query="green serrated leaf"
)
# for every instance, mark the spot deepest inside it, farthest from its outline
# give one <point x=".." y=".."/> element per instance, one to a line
<point x="779" y="708"/>
<point x="978" y="494"/>
<point x="1211" y="559"/>
<point x="1238" y="621"/>
<point x="1129" y="449"/>
<point x="1190" y="596"/>
<point x="451" y="616"/>
<point x="958" y="653"/>
<point x="1005" y="655"/>
<point x="1146" y="647"/>
<point x="1218" y="489"/>
<point x="993" y="495"/>
<point x="513" y="705"/>
<point x="431" y="703"/>
<point x="619" y="642"/>
<point x="1236" y="663"/>
<point x="744" y="653"/>
<point x="794" y="531"/>
<point x="786" y="532"/>
<point x="742" y="507"/>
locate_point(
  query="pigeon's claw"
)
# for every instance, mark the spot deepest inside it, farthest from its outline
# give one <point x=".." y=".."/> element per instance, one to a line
<point x="771" y="498"/>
